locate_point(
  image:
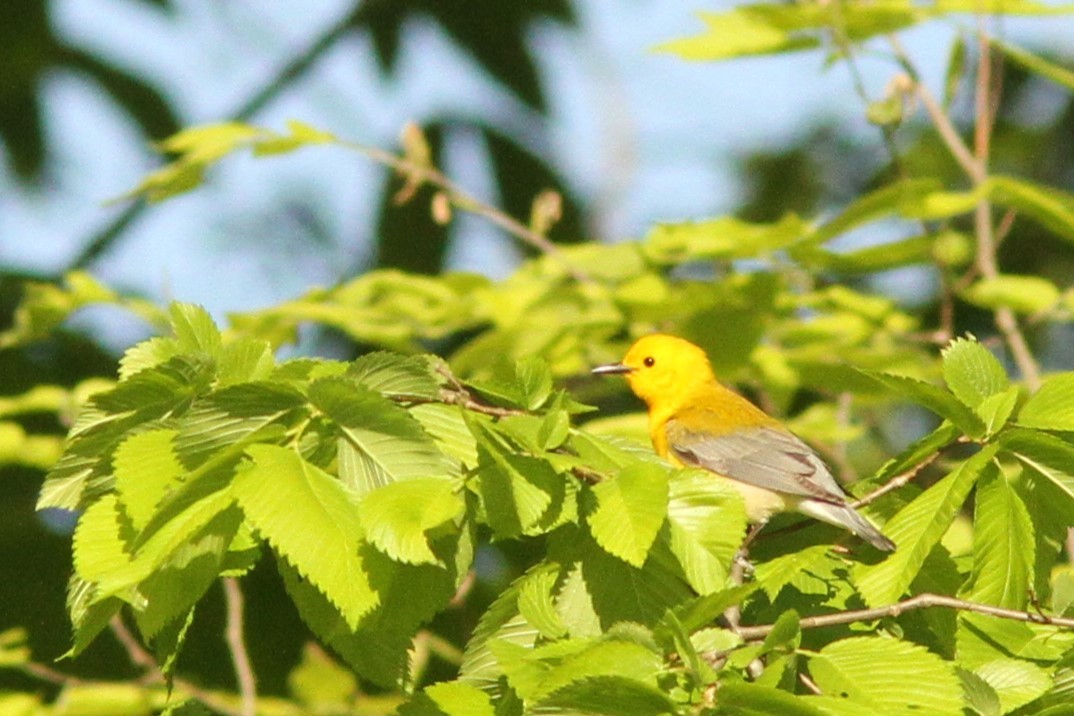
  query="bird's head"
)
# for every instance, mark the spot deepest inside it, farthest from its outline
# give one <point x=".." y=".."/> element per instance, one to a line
<point x="662" y="368"/>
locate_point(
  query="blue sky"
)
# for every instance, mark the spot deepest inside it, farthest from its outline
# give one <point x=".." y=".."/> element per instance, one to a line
<point x="651" y="137"/>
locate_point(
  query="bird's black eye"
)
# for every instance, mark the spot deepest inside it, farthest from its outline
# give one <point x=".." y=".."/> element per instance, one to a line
<point x="649" y="361"/>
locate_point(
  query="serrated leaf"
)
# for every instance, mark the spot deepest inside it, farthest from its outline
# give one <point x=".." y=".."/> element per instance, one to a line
<point x="147" y="354"/>
<point x="1003" y="545"/>
<point x="534" y="381"/>
<point x="1016" y="682"/>
<point x="617" y="592"/>
<point x="630" y="509"/>
<point x="972" y="373"/>
<point x="311" y="520"/>
<point x="378" y="655"/>
<point x="558" y="664"/>
<point x="232" y="416"/>
<point x="1048" y="456"/>
<point x="449" y="698"/>
<point x="1052" y="406"/>
<point x="707" y="519"/>
<point x="394" y="375"/>
<point x="790" y="569"/>
<point x="194" y="329"/>
<point x="873" y="672"/>
<point x="997" y="409"/>
<point x="380" y="442"/>
<point x="446" y="426"/>
<point x="99" y="548"/>
<point x="535" y="602"/>
<point x="245" y="359"/>
<point x="932" y="397"/>
<point x="146" y="467"/>
<point x="180" y="581"/>
<point x="520" y="493"/>
<point x="917" y="528"/>
<point x="610" y="695"/>
<point x="397" y="517"/>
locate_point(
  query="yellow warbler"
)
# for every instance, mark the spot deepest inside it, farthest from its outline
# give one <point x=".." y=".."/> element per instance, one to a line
<point x="696" y="422"/>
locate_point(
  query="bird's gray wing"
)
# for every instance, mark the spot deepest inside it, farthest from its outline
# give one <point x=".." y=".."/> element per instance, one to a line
<point x="762" y="456"/>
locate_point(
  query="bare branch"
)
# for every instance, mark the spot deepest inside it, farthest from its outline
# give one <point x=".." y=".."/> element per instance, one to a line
<point x="153" y="674"/>
<point x="896" y="482"/>
<point x="417" y="174"/>
<point x="921" y="601"/>
<point x="240" y="657"/>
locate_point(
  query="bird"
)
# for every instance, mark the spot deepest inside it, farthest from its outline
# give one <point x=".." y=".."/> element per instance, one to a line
<point x="694" y="421"/>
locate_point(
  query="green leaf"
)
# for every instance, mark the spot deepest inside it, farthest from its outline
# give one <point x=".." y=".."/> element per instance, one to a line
<point x="194" y="329"/>
<point x="722" y="238"/>
<point x="612" y="695"/>
<point x="446" y="426"/>
<point x="534" y="381"/>
<point x="707" y="519"/>
<point x="917" y="528"/>
<point x="997" y="409"/>
<point x="1052" y="208"/>
<point x="181" y="580"/>
<point x="1022" y="294"/>
<point x="1052" y="406"/>
<point x="449" y="698"/>
<point x="930" y="396"/>
<point x="610" y="591"/>
<point x="904" y="252"/>
<point x="395" y="376"/>
<point x="874" y="673"/>
<point x="1003" y="545"/>
<point x="630" y="509"/>
<point x="376" y="654"/>
<point x="311" y="520"/>
<point x="243" y="360"/>
<point x="1015" y="681"/>
<point x="794" y="568"/>
<point x="146" y="467"/>
<point x="746" y="699"/>
<point x="233" y="416"/>
<point x="519" y="493"/>
<point x="397" y="517"/>
<point x="876" y="205"/>
<point x="1038" y="65"/>
<point x="536" y="604"/>
<point x="546" y="669"/>
<point x="972" y="373"/>
<point x="1049" y="457"/>
<point x="99" y="547"/>
<point x="380" y="443"/>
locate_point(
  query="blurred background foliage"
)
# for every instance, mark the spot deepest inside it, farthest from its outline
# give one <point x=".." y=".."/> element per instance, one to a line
<point x="822" y="166"/>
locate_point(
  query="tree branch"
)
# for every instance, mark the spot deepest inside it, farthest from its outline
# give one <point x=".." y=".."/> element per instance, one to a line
<point x="153" y="674"/>
<point x="240" y="657"/>
<point x="975" y="164"/>
<point x="418" y="173"/>
<point x="921" y="601"/>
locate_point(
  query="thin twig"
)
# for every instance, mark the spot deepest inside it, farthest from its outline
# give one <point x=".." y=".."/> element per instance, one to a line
<point x="423" y="174"/>
<point x="809" y="683"/>
<point x="240" y="657"/>
<point x="141" y="658"/>
<point x="896" y="482"/>
<point x="921" y="601"/>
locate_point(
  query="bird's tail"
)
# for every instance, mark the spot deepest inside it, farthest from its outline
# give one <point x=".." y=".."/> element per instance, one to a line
<point x="848" y="518"/>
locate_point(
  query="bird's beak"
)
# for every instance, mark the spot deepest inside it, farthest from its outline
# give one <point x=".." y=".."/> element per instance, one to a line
<point x="612" y="369"/>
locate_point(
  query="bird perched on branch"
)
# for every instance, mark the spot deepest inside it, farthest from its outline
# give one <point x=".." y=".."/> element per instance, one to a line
<point x="696" y="422"/>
